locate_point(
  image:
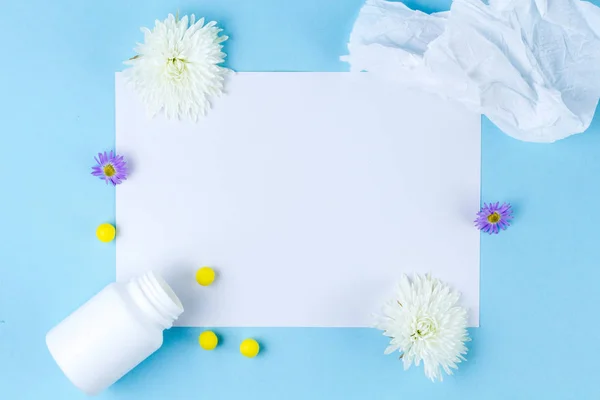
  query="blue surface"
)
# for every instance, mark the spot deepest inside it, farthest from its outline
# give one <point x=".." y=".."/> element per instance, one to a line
<point x="539" y="280"/>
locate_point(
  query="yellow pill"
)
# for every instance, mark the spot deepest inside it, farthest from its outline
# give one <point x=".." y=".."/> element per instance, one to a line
<point x="249" y="348"/>
<point x="205" y="276"/>
<point x="106" y="232"/>
<point x="208" y="340"/>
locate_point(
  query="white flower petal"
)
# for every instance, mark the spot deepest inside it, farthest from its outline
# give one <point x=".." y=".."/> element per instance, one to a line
<point x="177" y="69"/>
<point x="427" y="324"/>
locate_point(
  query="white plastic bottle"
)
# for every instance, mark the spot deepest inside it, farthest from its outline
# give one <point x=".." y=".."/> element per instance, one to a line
<point x="114" y="331"/>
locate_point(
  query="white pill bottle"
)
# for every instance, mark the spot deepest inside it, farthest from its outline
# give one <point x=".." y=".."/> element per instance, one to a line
<point x="114" y="331"/>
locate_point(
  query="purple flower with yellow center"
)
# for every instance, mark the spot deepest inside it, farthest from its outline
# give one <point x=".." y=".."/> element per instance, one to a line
<point x="493" y="217"/>
<point x="111" y="167"/>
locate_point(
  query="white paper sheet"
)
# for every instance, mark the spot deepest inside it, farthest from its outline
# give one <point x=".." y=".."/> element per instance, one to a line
<point x="309" y="193"/>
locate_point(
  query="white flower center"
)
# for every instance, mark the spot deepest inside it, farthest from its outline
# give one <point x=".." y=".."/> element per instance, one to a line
<point x="423" y="327"/>
<point x="176" y="67"/>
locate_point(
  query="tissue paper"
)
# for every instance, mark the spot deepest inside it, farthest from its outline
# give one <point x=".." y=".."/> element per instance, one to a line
<point x="531" y="66"/>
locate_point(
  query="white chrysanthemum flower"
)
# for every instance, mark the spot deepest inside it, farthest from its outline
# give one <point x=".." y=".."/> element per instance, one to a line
<point x="426" y="323"/>
<point x="177" y="67"/>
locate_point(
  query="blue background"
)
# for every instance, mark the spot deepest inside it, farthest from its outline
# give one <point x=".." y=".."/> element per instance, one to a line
<point x="539" y="280"/>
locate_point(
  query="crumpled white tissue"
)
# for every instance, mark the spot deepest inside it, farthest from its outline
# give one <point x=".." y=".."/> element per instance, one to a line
<point x="531" y="66"/>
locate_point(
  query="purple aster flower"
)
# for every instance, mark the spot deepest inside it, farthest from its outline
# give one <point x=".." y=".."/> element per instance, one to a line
<point x="493" y="217"/>
<point x="111" y="167"/>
